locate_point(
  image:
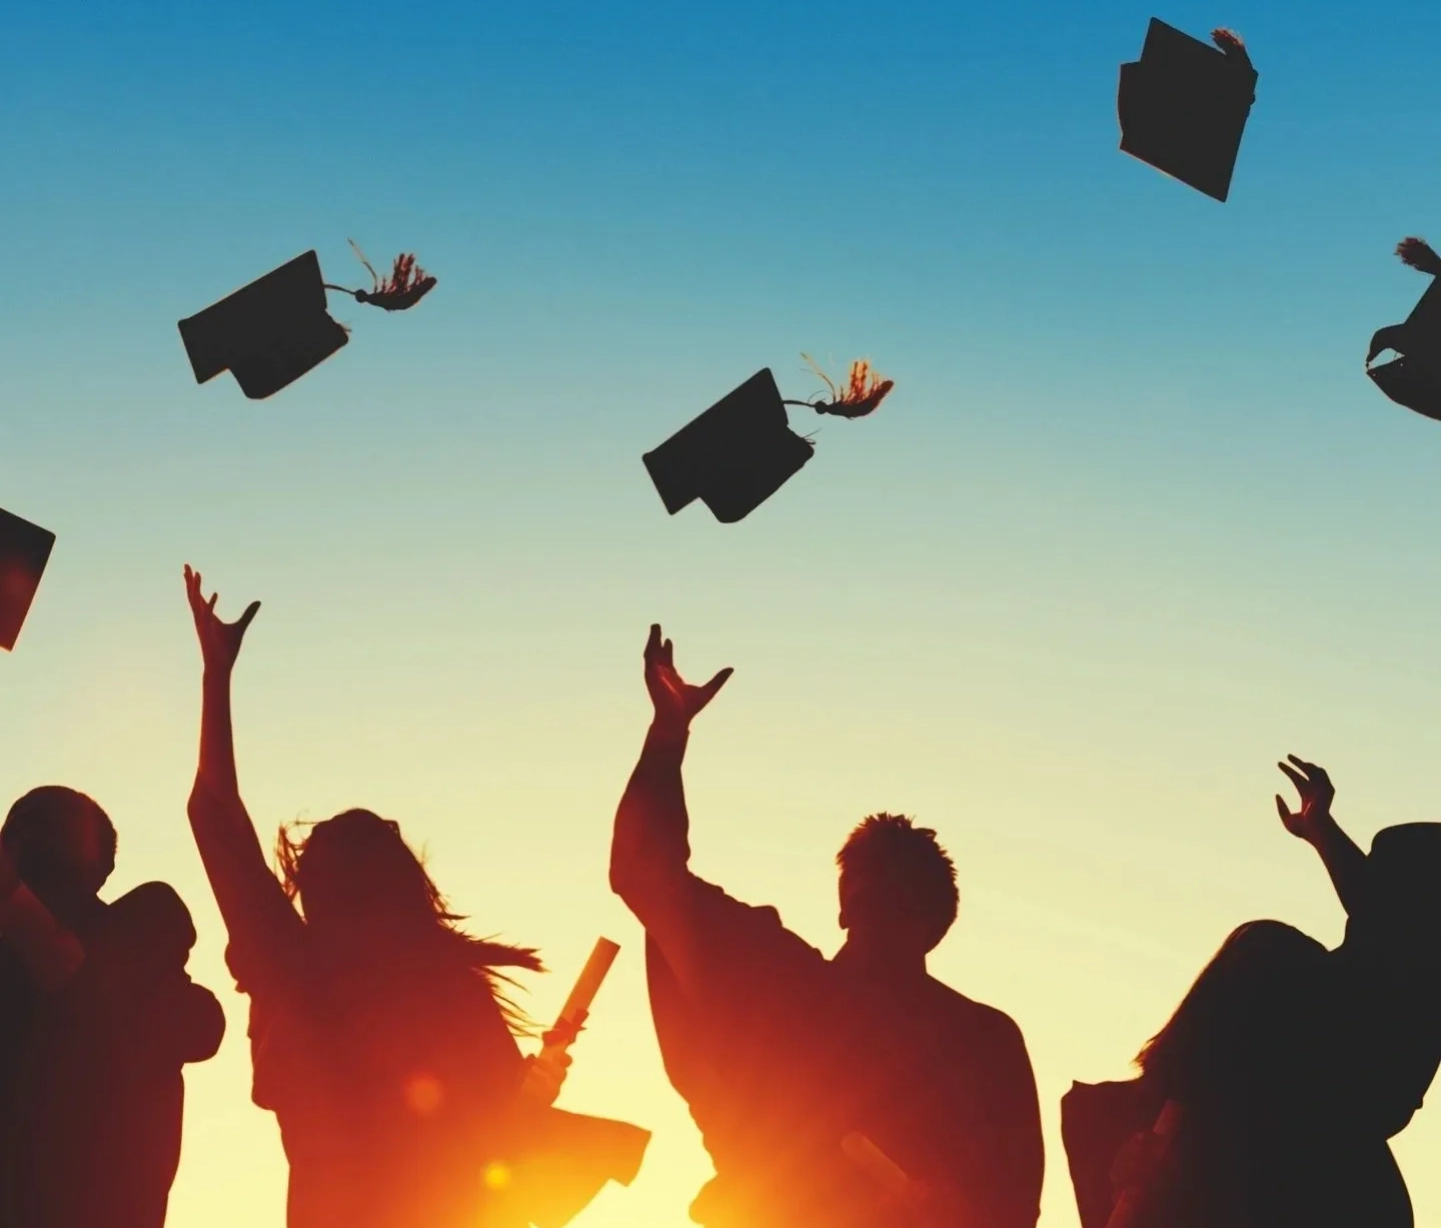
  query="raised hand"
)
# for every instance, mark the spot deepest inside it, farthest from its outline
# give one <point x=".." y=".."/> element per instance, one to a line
<point x="676" y="701"/>
<point x="1317" y="793"/>
<point x="219" y="641"/>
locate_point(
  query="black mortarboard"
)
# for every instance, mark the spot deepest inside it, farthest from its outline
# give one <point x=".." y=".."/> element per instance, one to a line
<point x="24" y="551"/>
<point x="1407" y="858"/>
<point x="733" y="457"/>
<point x="741" y="451"/>
<point x="1183" y="106"/>
<point x="1413" y="379"/>
<point x="267" y="334"/>
<point x="1402" y="897"/>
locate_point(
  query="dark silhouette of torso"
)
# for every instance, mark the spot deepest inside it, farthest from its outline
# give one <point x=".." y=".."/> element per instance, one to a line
<point x="1278" y="1129"/>
<point x="789" y="1052"/>
<point x="93" y="1086"/>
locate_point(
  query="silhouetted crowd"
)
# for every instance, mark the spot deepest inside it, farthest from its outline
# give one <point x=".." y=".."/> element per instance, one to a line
<point x="855" y="1091"/>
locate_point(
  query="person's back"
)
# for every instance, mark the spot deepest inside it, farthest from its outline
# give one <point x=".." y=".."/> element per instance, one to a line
<point x="389" y="1079"/>
<point x="1256" y="1136"/>
<point x="95" y="1087"/>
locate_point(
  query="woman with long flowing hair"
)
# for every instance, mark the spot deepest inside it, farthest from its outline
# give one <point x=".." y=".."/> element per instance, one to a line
<point x="381" y="1036"/>
<point x="1234" y="1121"/>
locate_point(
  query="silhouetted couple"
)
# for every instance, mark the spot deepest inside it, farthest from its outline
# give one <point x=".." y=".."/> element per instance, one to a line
<point x="98" y="1017"/>
<point x="797" y="1067"/>
<point x="1269" y="1097"/>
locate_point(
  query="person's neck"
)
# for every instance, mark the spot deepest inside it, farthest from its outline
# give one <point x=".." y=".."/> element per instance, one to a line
<point x="881" y="964"/>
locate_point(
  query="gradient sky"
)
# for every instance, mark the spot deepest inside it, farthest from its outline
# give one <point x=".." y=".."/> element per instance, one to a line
<point x="1132" y="526"/>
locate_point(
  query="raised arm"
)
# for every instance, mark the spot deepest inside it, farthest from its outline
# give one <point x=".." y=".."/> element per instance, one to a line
<point x="1313" y="823"/>
<point x="650" y="846"/>
<point x="251" y="901"/>
<point x="51" y="954"/>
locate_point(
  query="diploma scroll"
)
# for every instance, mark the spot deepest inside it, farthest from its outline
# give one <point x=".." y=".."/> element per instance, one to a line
<point x="576" y="1008"/>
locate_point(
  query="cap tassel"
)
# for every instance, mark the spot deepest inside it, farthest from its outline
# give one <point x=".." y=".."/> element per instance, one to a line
<point x="1230" y="43"/>
<point x="1420" y="255"/>
<point x="407" y="284"/>
<point x="865" y="390"/>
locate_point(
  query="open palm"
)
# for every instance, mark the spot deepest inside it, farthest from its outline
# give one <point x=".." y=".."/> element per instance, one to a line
<point x="676" y="701"/>
<point x="219" y="641"/>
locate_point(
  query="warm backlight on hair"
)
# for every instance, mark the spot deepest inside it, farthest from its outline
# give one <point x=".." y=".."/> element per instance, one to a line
<point x="423" y="1094"/>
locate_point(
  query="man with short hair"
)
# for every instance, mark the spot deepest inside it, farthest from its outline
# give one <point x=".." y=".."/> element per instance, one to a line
<point x="854" y="1092"/>
<point x="91" y="1046"/>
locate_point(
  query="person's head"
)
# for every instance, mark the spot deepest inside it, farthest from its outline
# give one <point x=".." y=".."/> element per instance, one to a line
<point x="362" y="888"/>
<point x="1235" y="1020"/>
<point x="62" y="845"/>
<point x="897" y="887"/>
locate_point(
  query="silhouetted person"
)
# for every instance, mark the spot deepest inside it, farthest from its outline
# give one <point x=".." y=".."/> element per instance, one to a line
<point x="1232" y="1090"/>
<point x="781" y="1053"/>
<point x="379" y="1036"/>
<point x="1385" y="977"/>
<point x="93" y="1054"/>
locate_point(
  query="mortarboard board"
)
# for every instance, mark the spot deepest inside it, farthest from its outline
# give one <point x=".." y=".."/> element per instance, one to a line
<point x="267" y="334"/>
<point x="742" y="450"/>
<point x="733" y="457"/>
<point x="24" y="551"/>
<point x="1183" y="106"/>
<point x="271" y="332"/>
<point x="1413" y="380"/>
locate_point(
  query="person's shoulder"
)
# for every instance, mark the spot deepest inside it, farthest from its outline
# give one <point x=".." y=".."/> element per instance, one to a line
<point x="979" y="1018"/>
<point x="749" y="924"/>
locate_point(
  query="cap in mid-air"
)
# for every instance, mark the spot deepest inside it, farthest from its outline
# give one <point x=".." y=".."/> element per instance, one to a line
<point x="1413" y="379"/>
<point x="742" y="450"/>
<point x="1183" y="106"/>
<point x="24" y="551"/>
<point x="271" y="332"/>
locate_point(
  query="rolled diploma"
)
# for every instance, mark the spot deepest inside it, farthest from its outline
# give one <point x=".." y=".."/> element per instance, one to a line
<point x="867" y="1156"/>
<point x="588" y="983"/>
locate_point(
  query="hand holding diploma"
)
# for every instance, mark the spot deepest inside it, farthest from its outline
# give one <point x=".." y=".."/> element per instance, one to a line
<point x="547" y="1069"/>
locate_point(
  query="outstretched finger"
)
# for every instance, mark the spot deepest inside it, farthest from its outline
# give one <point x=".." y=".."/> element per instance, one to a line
<point x="1282" y="809"/>
<point x="652" y="645"/>
<point x="708" y="692"/>
<point x="250" y="612"/>
<point x="1297" y="779"/>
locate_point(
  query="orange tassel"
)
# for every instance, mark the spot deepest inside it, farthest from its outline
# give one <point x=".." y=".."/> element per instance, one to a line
<point x="407" y="284"/>
<point x="865" y="390"/>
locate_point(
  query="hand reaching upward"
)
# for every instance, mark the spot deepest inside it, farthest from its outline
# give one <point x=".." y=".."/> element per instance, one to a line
<point x="676" y="701"/>
<point x="1317" y="793"/>
<point x="219" y="641"/>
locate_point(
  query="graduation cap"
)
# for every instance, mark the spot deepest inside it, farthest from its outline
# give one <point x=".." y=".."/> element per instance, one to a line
<point x="742" y="450"/>
<point x="1183" y="105"/>
<point x="271" y="332"/>
<point x="24" y="551"/>
<point x="1414" y="378"/>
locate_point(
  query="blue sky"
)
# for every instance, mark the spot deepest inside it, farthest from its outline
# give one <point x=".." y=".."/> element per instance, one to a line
<point x="1133" y="524"/>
